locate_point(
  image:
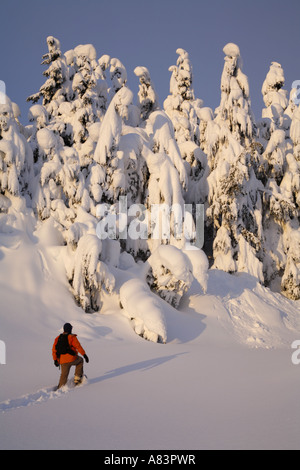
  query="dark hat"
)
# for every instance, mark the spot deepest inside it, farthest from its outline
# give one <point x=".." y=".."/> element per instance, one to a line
<point x="68" y="328"/>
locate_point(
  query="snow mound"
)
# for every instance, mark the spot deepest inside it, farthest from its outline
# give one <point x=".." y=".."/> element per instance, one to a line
<point x="171" y="273"/>
<point x="199" y="265"/>
<point x="251" y="314"/>
<point x="144" y="310"/>
<point x="174" y="260"/>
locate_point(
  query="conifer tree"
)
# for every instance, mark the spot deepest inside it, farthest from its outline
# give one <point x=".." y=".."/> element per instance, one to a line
<point x="279" y="209"/>
<point x="234" y="190"/>
<point x="184" y="111"/>
<point x="147" y="97"/>
<point x="57" y="87"/>
<point x="16" y="159"/>
<point x="89" y="275"/>
<point x="291" y="183"/>
<point x="61" y="185"/>
<point x="275" y="124"/>
<point x="107" y="153"/>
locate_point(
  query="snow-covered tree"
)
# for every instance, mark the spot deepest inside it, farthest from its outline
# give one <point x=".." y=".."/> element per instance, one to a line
<point x="38" y="118"/>
<point x="90" y="92"/>
<point x="162" y="139"/>
<point x="74" y="96"/>
<point x="57" y="87"/>
<point x="290" y="284"/>
<point x="16" y="159"/>
<point x="234" y="190"/>
<point x="147" y="97"/>
<point x="290" y="187"/>
<point x="279" y="209"/>
<point x="169" y="274"/>
<point x="274" y="127"/>
<point x="184" y="111"/>
<point x="144" y="310"/>
<point x="181" y="84"/>
<point x="116" y="162"/>
<point x="88" y="275"/>
<point x="61" y="184"/>
<point x="235" y="107"/>
<point x="118" y="76"/>
<point x="180" y="105"/>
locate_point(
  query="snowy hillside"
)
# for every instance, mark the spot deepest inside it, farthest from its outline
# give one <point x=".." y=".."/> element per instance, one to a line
<point x="224" y="379"/>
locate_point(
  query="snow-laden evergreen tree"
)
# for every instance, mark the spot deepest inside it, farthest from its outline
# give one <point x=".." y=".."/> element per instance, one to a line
<point x="57" y="86"/>
<point x="291" y="186"/>
<point x="234" y="190"/>
<point x="54" y="112"/>
<point x="147" y="96"/>
<point x="61" y="185"/>
<point x="38" y="118"/>
<point x="184" y="111"/>
<point x="89" y="94"/>
<point x="180" y="105"/>
<point x="279" y="210"/>
<point x="160" y="130"/>
<point x="88" y="275"/>
<point x="166" y="172"/>
<point x="290" y="284"/>
<point x="16" y="159"/>
<point x="235" y="107"/>
<point x="74" y="98"/>
<point x="170" y="274"/>
<point x="119" y="167"/>
<point x="295" y="136"/>
<point x="118" y="76"/>
<point x="115" y="162"/>
<point x="143" y="310"/>
<point x="275" y="124"/>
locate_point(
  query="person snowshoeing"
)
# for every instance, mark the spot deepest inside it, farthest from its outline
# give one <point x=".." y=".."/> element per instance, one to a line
<point x="65" y="354"/>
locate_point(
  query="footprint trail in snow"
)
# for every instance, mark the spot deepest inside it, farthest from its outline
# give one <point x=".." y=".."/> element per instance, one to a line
<point x="40" y="396"/>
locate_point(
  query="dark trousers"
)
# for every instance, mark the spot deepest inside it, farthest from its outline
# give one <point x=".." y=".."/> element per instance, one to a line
<point x="65" y="370"/>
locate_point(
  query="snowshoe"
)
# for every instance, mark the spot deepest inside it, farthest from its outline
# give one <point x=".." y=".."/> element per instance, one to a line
<point x="79" y="380"/>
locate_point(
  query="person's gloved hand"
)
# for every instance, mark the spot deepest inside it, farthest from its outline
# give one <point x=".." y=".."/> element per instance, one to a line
<point x="86" y="359"/>
<point x="56" y="363"/>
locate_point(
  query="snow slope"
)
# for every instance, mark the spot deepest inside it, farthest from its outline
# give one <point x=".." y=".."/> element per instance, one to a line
<point x="223" y="380"/>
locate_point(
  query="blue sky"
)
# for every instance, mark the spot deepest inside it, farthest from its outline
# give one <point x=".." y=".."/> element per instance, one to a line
<point x="147" y="33"/>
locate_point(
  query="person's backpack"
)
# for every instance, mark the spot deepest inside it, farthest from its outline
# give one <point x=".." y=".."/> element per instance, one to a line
<point x="63" y="347"/>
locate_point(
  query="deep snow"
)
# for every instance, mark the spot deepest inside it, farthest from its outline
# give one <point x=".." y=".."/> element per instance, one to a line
<point x="224" y="380"/>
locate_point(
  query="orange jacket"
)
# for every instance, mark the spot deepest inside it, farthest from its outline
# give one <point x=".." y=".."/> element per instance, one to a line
<point x="74" y="344"/>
